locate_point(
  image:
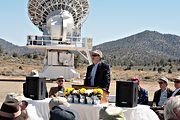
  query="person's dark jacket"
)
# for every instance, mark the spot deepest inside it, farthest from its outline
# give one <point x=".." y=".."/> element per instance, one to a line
<point x="53" y="91"/>
<point x="142" y="96"/>
<point x="102" y="76"/>
<point x="178" y="93"/>
<point x="157" y="95"/>
<point x="63" y="113"/>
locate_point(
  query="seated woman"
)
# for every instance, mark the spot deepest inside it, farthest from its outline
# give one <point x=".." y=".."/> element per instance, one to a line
<point x="56" y="91"/>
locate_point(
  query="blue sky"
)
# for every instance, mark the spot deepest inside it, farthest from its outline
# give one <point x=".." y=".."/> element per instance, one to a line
<point x="108" y="19"/>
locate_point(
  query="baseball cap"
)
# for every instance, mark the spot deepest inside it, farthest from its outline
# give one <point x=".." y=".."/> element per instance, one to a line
<point x="97" y="52"/>
<point x="163" y="79"/>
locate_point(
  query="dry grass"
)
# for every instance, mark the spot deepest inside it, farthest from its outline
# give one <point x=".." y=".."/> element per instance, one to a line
<point x="16" y="69"/>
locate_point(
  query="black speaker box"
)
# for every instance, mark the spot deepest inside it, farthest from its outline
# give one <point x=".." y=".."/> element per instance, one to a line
<point x="126" y="94"/>
<point x="35" y="88"/>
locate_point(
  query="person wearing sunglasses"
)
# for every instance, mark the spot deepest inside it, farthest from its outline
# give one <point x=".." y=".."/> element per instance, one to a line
<point x="162" y="95"/>
<point x="57" y="91"/>
<point x="177" y="86"/>
<point x="142" y="93"/>
<point x="98" y="74"/>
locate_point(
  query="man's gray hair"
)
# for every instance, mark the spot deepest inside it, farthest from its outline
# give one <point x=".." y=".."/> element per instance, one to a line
<point x="172" y="103"/>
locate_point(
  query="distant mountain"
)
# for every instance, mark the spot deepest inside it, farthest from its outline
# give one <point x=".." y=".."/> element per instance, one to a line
<point x="10" y="48"/>
<point x="141" y="48"/>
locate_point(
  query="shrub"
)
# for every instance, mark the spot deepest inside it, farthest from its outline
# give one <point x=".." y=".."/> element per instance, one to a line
<point x="35" y="56"/>
<point x="147" y="77"/>
<point x="1" y="50"/>
<point x="154" y="69"/>
<point x="15" y="54"/>
<point x="159" y="70"/>
<point x="20" y="67"/>
<point x="170" y="71"/>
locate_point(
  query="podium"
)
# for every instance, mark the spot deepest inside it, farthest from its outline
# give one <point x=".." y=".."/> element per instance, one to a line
<point x="105" y="95"/>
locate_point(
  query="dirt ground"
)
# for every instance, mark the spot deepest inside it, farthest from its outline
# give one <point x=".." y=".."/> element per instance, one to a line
<point x="17" y="87"/>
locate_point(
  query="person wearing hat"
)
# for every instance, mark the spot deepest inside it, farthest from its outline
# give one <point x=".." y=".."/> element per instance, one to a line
<point x="11" y="111"/>
<point x="98" y="74"/>
<point x="111" y="113"/>
<point x="172" y="109"/>
<point x="142" y="93"/>
<point x="161" y="95"/>
<point x="59" y="110"/>
<point x="56" y="91"/>
<point x="18" y="98"/>
<point x="177" y="86"/>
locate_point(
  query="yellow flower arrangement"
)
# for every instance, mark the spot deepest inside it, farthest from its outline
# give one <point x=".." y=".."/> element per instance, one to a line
<point x="82" y="91"/>
<point x="68" y="91"/>
<point x="98" y="91"/>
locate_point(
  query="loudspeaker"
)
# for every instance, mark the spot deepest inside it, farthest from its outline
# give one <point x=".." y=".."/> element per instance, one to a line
<point x="126" y="94"/>
<point x="35" y="88"/>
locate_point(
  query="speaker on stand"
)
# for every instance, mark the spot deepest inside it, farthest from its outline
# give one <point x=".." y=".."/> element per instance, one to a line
<point x="126" y="94"/>
<point x="35" y="88"/>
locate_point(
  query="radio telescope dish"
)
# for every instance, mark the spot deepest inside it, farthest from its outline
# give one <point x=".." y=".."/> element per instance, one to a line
<point x="61" y="22"/>
<point x="39" y="10"/>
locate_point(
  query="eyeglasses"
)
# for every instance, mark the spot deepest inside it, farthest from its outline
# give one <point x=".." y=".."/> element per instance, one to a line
<point x="176" y="81"/>
<point x="160" y="82"/>
<point x="61" y="80"/>
<point x="95" y="55"/>
<point x="134" y="79"/>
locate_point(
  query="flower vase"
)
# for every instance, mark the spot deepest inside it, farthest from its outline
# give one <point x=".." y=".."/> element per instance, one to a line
<point x="89" y="100"/>
<point x="82" y="99"/>
<point x="70" y="98"/>
<point x="76" y="99"/>
<point x="96" y="100"/>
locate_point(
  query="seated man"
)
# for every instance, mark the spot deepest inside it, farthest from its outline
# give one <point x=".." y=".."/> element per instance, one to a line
<point x="98" y="74"/>
<point x="161" y="95"/>
<point x="56" y="91"/>
<point x="172" y="109"/>
<point x="177" y="86"/>
<point x="59" y="110"/>
<point x="142" y="93"/>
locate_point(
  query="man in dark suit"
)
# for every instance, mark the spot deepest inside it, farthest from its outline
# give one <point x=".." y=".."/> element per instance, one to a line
<point x="98" y="74"/>
<point x="162" y="95"/>
<point x="177" y="86"/>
